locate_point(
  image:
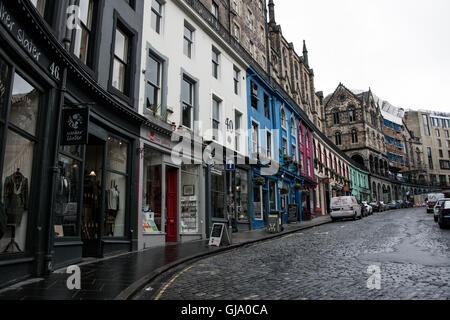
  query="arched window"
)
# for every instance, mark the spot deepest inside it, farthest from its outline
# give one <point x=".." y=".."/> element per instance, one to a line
<point x="283" y="119"/>
<point x="352" y="114"/>
<point x="354" y="136"/>
<point x="293" y="127"/>
<point x="338" y="138"/>
<point x="336" y="119"/>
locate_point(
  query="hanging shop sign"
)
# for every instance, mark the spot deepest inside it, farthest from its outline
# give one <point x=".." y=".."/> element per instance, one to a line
<point x="75" y="126"/>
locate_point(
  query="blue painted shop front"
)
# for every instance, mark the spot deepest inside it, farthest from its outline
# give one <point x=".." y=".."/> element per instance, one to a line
<point x="273" y="143"/>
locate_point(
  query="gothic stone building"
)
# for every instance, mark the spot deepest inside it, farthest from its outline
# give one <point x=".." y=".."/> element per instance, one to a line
<point x="355" y="124"/>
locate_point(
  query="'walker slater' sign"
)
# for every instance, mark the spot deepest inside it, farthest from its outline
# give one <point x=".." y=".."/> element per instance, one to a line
<point x="75" y="125"/>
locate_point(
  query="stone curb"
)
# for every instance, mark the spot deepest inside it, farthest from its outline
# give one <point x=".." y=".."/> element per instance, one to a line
<point x="139" y="284"/>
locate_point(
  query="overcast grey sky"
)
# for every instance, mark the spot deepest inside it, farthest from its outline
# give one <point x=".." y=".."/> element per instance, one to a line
<point x="399" y="48"/>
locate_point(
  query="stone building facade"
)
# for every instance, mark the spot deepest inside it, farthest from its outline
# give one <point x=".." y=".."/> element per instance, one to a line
<point x="245" y="21"/>
<point x="434" y="130"/>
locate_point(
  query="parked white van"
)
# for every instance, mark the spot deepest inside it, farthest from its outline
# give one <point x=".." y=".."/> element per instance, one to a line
<point x="345" y="207"/>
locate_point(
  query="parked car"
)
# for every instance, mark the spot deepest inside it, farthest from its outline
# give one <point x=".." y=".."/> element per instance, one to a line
<point x="409" y="204"/>
<point x="368" y="207"/>
<point x="376" y="206"/>
<point x="393" y="205"/>
<point x="444" y="214"/>
<point x="345" y="207"/>
<point x="431" y="200"/>
<point x="364" y="212"/>
<point x="402" y="204"/>
<point x="438" y="206"/>
<point x="384" y="206"/>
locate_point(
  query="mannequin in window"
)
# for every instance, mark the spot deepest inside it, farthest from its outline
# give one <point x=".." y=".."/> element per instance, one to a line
<point x="16" y="197"/>
<point x="112" y="208"/>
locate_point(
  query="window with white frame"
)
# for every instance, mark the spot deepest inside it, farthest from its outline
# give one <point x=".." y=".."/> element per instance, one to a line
<point x="283" y="119"/>
<point x="215" y="62"/>
<point x="156" y="16"/>
<point x="269" y="144"/>
<point x="215" y="10"/>
<point x="188" y="40"/>
<point x="40" y="5"/>
<point x="236" y="32"/>
<point x="216" y="102"/>
<point x="250" y="20"/>
<point x="153" y="83"/>
<point x="294" y="152"/>
<point x="236" y="6"/>
<point x="285" y="147"/>
<point x="236" y="82"/>
<point x="83" y="41"/>
<point x="237" y="134"/>
<point x="293" y="131"/>
<point x="255" y="137"/>
<point x="187" y="98"/>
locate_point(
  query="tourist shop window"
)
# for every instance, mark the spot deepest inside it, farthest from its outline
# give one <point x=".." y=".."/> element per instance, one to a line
<point x="187" y="98"/>
<point x="156" y="16"/>
<point x="152" y="191"/>
<point x="236" y="82"/>
<point x="216" y="110"/>
<point x="218" y="194"/>
<point x="83" y="36"/>
<point x="116" y="187"/>
<point x="188" y="40"/>
<point x="153" y="83"/>
<point x="258" y="202"/>
<point x="215" y="62"/>
<point x="190" y="199"/>
<point x="121" y="61"/>
<point x="18" y="140"/>
<point x="242" y="200"/>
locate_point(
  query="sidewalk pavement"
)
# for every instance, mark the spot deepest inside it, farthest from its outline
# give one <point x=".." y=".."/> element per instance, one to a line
<point x="121" y="276"/>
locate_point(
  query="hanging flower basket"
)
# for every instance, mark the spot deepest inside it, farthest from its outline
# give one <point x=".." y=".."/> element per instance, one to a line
<point x="284" y="190"/>
<point x="306" y="192"/>
<point x="297" y="187"/>
<point x="259" y="181"/>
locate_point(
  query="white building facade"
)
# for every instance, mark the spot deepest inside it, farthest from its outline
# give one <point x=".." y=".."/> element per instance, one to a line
<point x="192" y="85"/>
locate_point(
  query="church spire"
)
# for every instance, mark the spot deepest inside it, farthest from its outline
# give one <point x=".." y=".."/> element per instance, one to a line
<point x="271" y="12"/>
<point x="305" y="54"/>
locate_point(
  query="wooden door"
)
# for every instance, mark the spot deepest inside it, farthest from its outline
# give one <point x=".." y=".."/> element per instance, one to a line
<point x="172" y="205"/>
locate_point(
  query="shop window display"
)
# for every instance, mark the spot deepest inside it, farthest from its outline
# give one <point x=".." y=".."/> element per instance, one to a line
<point x="242" y="195"/>
<point x="189" y="199"/>
<point x="67" y="197"/>
<point x="152" y="192"/>
<point x="18" y="159"/>
<point x="218" y="194"/>
<point x="116" y="188"/>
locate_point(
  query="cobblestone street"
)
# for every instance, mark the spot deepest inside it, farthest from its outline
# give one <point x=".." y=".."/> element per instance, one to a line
<point x="326" y="262"/>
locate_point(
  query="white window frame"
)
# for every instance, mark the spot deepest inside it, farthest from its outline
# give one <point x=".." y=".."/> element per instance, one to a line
<point x="271" y="156"/>
<point x="253" y="121"/>
<point x="220" y="101"/>
<point x="237" y="132"/>
<point x="191" y="41"/>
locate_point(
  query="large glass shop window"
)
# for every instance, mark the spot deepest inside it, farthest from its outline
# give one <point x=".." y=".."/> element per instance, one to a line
<point x="189" y="199"/>
<point x="152" y="192"/>
<point x="116" y="188"/>
<point x="242" y="200"/>
<point x="18" y="161"/>
<point x="218" y="194"/>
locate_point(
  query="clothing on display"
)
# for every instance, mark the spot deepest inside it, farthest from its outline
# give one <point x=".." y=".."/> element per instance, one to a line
<point x="16" y="197"/>
<point x="112" y="208"/>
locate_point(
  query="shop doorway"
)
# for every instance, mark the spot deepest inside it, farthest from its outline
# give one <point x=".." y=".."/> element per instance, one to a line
<point x="93" y="204"/>
<point x="172" y="204"/>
